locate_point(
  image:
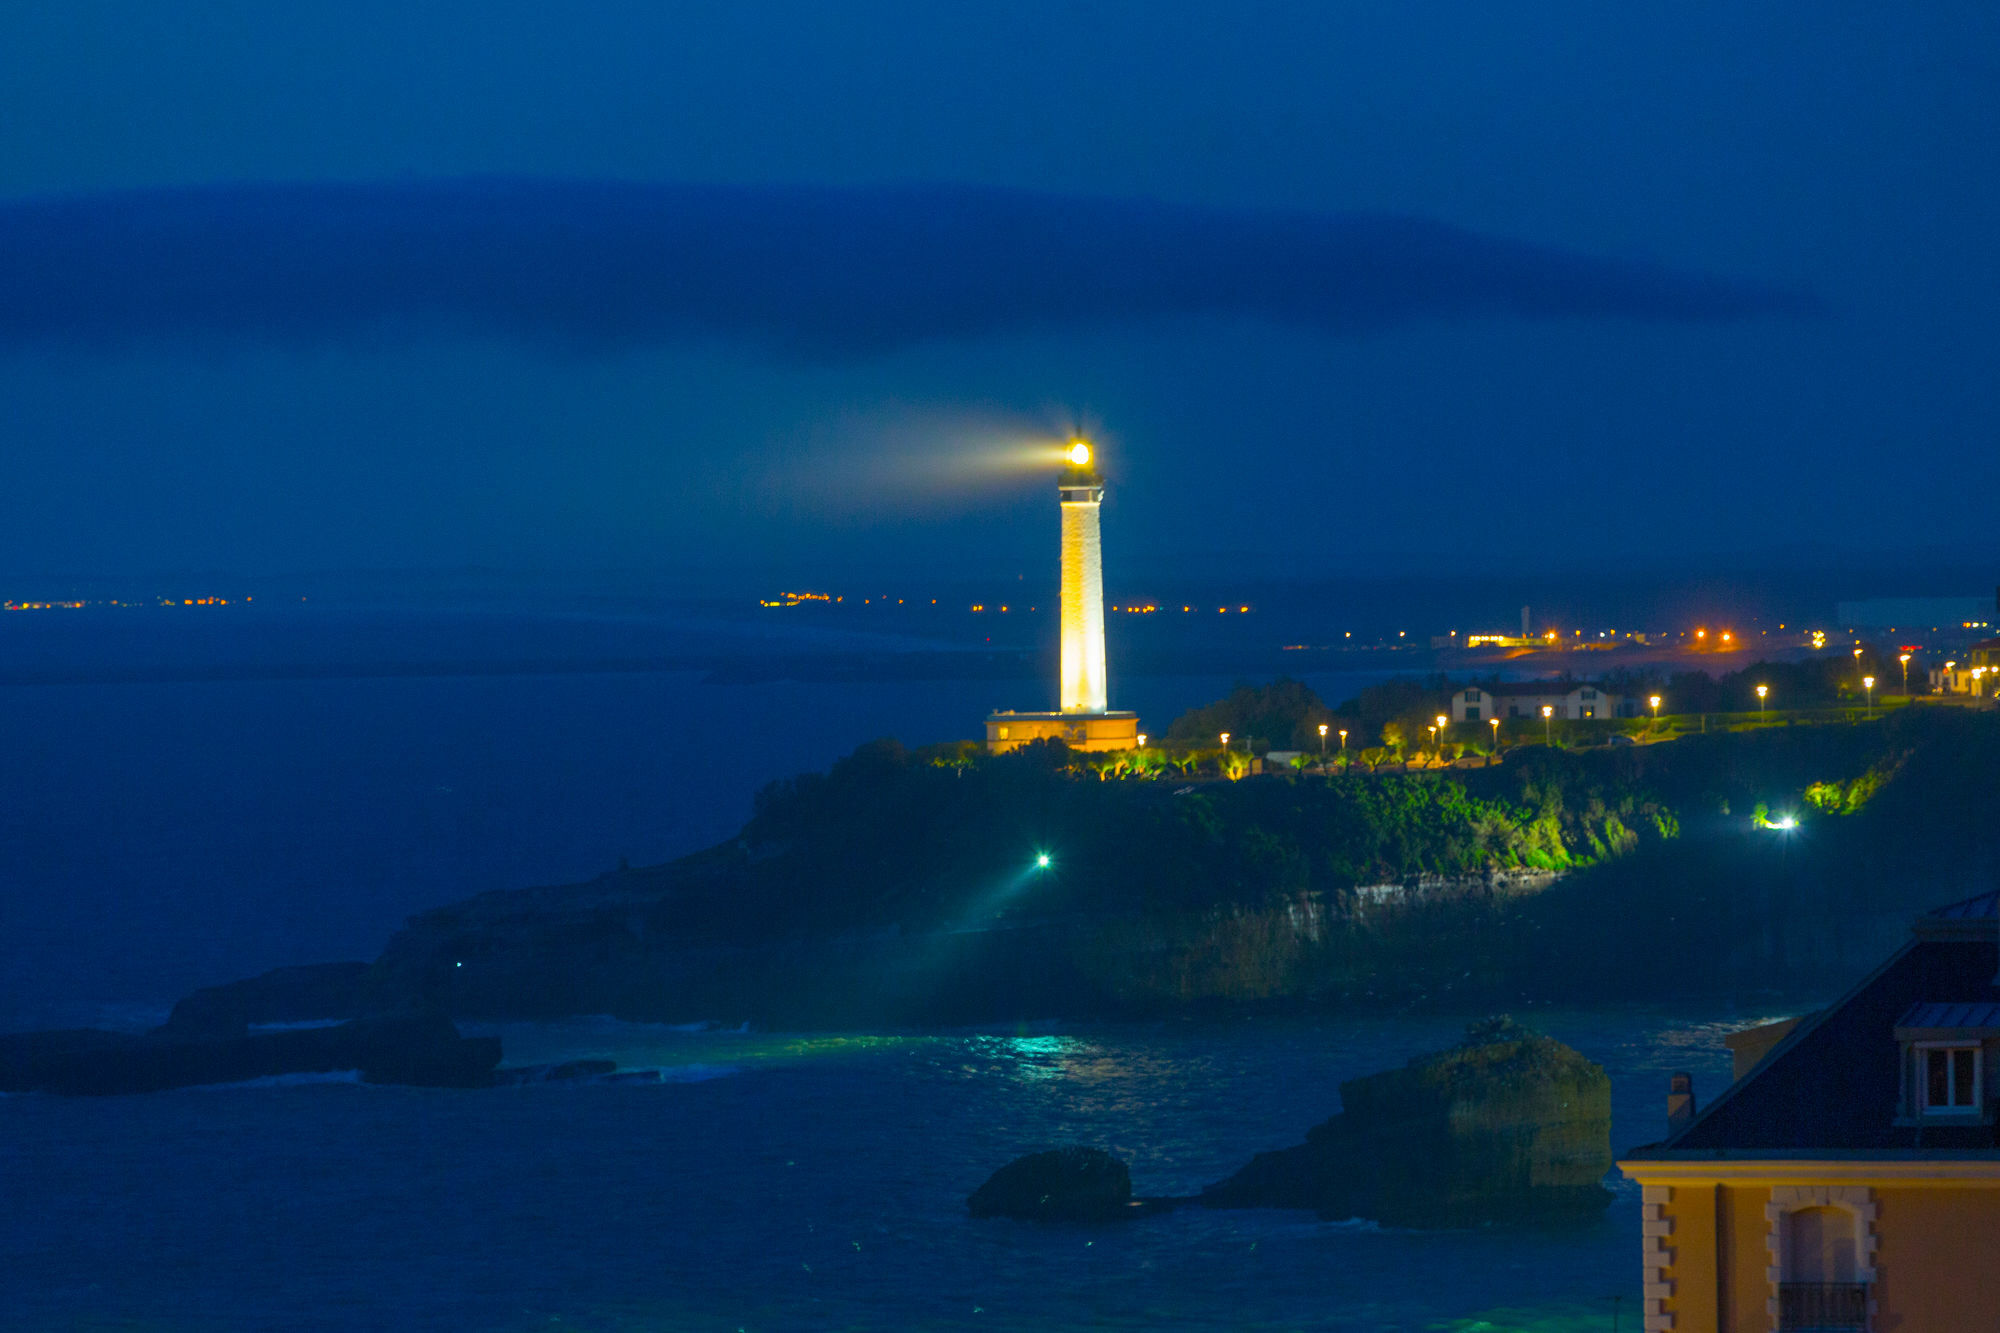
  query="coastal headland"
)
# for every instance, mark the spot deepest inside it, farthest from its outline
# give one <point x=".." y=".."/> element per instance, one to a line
<point x="910" y="887"/>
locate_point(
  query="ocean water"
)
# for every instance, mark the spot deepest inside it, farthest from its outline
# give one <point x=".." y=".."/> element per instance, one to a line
<point x="159" y="836"/>
<point x="776" y="1181"/>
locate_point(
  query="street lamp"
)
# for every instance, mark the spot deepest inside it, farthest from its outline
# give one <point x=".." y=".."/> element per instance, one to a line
<point x="1904" y="658"/>
<point x="1655" y="702"/>
<point x="1225" y="740"/>
<point x="1548" y="712"/>
<point x="1494" y="722"/>
<point x="1435" y="747"/>
<point x="1322" y="744"/>
<point x="1443" y="723"/>
<point x="1762" y="690"/>
<point x="1868" y="684"/>
<point x="1142" y="740"/>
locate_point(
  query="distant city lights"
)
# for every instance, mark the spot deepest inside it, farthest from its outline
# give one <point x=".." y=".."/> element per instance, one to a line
<point x="78" y="604"/>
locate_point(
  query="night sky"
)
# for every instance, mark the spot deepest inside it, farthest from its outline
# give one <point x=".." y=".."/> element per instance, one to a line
<point x="795" y="287"/>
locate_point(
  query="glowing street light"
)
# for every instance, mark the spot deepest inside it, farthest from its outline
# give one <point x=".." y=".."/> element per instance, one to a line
<point x="1438" y="749"/>
<point x="1343" y="742"/>
<point x="1142" y="740"/>
<point x="1322" y="744"/>
<point x="1443" y="723"/>
<point x="1762" y="690"/>
<point x="1655" y="702"/>
<point x="1494" y="723"/>
<point x="1548" y="711"/>
<point x="1868" y="684"/>
<point x="1225" y="740"/>
<point x="1904" y="658"/>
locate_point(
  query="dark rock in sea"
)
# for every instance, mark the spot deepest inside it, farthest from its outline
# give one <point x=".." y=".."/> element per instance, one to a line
<point x="633" y="1076"/>
<point x="421" y="1049"/>
<point x="316" y="992"/>
<point x="1507" y="1126"/>
<point x="1073" y="1184"/>
<point x="570" y="1071"/>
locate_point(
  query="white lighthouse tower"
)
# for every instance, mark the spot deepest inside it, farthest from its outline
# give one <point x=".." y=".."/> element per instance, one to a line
<point x="1081" y="495"/>
<point x="1084" y="720"/>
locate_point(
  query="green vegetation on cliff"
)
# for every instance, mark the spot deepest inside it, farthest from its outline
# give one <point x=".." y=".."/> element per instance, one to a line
<point x="918" y="838"/>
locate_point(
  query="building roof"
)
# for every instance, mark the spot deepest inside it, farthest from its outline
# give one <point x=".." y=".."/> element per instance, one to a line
<point x="1927" y="1015"/>
<point x="1515" y="689"/>
<point x="1979" y="907"/>
<point x="1832" y="1085"/>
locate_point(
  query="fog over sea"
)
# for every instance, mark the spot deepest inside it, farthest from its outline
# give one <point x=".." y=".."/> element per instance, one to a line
<point x="157" y="835"/>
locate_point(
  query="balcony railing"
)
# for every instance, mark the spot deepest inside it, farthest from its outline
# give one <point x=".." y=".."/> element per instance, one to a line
<point x="1823" y="1307"/>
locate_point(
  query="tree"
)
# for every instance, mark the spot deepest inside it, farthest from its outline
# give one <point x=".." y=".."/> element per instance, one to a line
<point x="1394" y="739"/>
<point x="1284" y="714"/>
<point x="1374" y="756"/>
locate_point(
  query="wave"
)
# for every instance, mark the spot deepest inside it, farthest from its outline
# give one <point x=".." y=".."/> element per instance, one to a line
<point x="284" y="1081"/>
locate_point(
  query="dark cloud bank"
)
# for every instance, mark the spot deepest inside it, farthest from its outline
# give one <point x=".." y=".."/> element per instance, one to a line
<point x="820" y="272"/>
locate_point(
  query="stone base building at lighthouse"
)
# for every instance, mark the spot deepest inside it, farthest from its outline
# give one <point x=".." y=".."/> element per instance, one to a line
<point x="1084" y="719"/>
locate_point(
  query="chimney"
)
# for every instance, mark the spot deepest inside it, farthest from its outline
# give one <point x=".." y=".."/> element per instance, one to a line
<point x="1680" y="1101"/>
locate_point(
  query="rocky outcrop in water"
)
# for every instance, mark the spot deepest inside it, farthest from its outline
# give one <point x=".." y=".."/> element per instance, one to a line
<point x="316" y="992"/>
<point x="1074" y="1184"/>
<point x="1507" y="1126"/>
<point x="421" y="1049"/>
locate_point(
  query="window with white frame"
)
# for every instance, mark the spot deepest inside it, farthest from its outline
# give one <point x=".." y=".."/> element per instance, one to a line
<point x="1948" y="1079"/>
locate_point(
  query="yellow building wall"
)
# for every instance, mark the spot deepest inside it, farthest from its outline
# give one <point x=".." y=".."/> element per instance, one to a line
<point x="1689" y="1240"/>
<point x="1933" y="1256"/>
<point x="1080" y="731"/>
<point x="1746" y="1260"/>
<point x="1934" y="1259"/>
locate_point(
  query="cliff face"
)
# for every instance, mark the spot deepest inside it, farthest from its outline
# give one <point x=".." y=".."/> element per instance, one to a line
<point x="634" y="944"/>
<point x="1509" y="1125"/>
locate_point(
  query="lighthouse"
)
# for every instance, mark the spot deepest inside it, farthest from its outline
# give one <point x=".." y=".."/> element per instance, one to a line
<point x="1081" y="495"/>
<point x="1083" y="720"/>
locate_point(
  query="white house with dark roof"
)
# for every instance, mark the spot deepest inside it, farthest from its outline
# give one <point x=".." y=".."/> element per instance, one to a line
<point x="1570" y="700"/>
